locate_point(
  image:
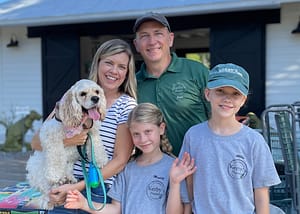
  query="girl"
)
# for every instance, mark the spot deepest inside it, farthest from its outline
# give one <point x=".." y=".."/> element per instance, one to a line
<point x="235" y="166"/>
<point x="143" y="185"/>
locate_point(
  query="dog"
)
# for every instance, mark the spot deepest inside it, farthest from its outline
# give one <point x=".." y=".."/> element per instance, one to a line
<point x="82" y="106"/>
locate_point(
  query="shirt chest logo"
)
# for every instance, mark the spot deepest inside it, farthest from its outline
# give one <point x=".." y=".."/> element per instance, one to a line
<point x="155" y="190"/>
<point x="237" y="168"/>
<point x="178" y="89"/>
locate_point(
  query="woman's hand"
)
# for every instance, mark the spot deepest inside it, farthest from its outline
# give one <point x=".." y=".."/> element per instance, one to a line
<point x="76" y="140"/>
<point x="58" y="195"/>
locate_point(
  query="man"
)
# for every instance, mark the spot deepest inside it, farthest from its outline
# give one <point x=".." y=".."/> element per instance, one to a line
<point x="176" y="85"/>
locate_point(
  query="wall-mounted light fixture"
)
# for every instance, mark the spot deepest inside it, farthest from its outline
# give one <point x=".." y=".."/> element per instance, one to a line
<point x="13" y="41"/>
<point x="297" y="29"/>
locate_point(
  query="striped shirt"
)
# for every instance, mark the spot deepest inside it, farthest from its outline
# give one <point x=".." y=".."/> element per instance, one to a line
<point x="116" y="115"/>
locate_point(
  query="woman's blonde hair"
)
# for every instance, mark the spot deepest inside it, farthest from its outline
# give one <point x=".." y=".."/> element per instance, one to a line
<point x="149" y="113"/>
<point x="109" y="48"/>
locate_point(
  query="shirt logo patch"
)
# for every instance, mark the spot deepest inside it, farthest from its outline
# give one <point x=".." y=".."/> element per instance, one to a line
<point x="237" y="168"/>
<point x="178" y="90"/>
<point x="155" y="190"/>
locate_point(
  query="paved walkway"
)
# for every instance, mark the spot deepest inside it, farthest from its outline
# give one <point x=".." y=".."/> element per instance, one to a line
<point x="13" y="168"/>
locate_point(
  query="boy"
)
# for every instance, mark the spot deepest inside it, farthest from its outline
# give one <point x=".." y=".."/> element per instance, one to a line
<point x="234" y="164"/>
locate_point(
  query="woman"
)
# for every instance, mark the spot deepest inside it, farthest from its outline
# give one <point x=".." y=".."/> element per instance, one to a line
<point x="113" y="69"/>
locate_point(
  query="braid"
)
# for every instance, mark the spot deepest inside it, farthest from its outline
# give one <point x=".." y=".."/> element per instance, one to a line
<point x="136" y="152"/>
<point x="165" y="145"/>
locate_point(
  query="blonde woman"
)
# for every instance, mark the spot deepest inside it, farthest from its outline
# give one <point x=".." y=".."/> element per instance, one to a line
<point x="113" y="69"/>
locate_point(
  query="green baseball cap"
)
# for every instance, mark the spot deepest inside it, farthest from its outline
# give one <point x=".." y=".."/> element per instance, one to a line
<point x="151" y="16"/>
<point x="229" y="75"/>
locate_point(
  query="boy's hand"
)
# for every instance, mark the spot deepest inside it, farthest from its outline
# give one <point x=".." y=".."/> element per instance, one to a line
<point x="182" y="169"/>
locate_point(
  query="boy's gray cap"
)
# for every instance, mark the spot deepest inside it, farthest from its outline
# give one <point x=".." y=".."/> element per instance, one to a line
<point x="151" y="17"/>
<point x="229" y="75"/>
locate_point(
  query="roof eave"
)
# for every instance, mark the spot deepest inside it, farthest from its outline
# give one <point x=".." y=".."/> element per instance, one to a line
<point x="127" y="15"/>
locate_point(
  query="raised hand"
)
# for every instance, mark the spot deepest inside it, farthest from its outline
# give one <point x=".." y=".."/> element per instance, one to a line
<point x="182" y="169"/>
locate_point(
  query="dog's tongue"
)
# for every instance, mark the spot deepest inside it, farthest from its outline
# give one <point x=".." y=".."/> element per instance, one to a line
<point x="94" y="114"/>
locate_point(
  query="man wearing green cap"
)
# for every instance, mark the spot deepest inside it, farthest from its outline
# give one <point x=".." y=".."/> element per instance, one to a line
<point x="176" y="85"/>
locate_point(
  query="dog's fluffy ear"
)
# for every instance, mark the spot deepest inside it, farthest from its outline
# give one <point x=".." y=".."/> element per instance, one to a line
<point x="70" y="112"/>
<point x="102" y="107"/>
<point x="102" y="112"/>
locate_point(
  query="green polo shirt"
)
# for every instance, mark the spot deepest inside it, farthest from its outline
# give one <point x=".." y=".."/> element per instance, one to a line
<point x="179" y="93"/>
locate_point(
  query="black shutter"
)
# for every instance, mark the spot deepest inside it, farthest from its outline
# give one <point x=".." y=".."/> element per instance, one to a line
<point x="243" y="44"/>
<point x="60" y="67"/>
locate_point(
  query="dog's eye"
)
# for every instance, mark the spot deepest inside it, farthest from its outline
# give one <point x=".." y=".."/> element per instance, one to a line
<point x="97" y="91"/>
<point x="82" y="94"/>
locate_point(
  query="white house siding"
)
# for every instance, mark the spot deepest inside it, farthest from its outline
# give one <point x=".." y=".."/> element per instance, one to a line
<point x="21" y="72"/>
<point x="283" y="58"/>
<point x="20" y="75"/>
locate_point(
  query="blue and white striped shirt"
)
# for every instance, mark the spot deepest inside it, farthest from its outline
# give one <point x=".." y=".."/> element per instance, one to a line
<point x="117" y="114"/>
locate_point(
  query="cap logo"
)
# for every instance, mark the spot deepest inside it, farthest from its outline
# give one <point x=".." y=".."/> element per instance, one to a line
<point x="230" y="70"/>
<point x="229" y="75"/>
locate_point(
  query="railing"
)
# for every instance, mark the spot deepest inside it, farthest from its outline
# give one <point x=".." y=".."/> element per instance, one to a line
<point x="281" y="125"/>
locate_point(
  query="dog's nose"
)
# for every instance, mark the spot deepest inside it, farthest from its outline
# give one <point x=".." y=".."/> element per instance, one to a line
<point x="95" y="99"/>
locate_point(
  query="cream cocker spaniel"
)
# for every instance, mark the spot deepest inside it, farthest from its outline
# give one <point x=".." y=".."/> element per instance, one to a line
<point x="82" y="106"/>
